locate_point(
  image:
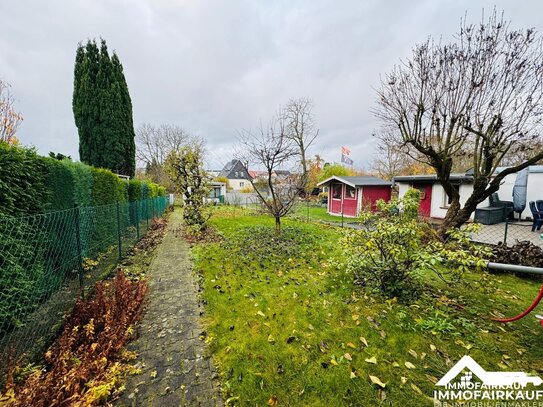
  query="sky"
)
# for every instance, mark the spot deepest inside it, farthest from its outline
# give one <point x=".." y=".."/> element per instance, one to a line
<point x="218" y="67"/>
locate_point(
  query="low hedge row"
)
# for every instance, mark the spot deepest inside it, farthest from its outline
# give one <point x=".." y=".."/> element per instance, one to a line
<point x="31" y="184"/>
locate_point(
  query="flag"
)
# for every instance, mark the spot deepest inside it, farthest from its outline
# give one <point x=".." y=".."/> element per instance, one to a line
<point x="346" y="160"/>
<point x="345" y="151"/>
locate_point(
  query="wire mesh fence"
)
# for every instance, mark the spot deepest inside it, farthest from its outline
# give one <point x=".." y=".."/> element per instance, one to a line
<point x="509" y="233"/>
<point x="48" y="260"/>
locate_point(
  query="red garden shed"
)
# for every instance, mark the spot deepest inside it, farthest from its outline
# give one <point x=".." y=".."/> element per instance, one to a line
<point x="352" y="194"/>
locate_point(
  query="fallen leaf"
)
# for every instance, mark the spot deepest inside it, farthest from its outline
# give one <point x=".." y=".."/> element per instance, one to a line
<point x="413" y="353"/>
<point x="351" y="345"/>
<point x="261" y="314"/>
<point x="373" y="360"/>
<point x="153" y="374"/>
<point x="395" y="364"/>
<point x="416" y="388"/>
<point x="270" y="339"/>
<point x="355" y="317"/>
<point x="377" y="381"/>
<point x="433" y="379"/>
<point x="433" y="347"/>
<point x="364" y="341"/>
<point x="272" y="401"/>
<point x="333" y="362"/>
<point x="348" y="357"/>
<point x="403" y="379"/>
<point x="409" y="365"/>
<point x="353" y="375"/>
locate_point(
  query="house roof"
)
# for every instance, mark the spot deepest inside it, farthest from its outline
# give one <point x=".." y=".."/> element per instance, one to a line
<point x="431" y="178"/>
<point x="534" y="169"/>
<point x="356" y="181"/>
<point x="234" y="170"/>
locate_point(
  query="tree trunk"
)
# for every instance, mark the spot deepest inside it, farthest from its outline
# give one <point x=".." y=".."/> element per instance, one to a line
<point x="457" y="216"/>
<point x="277" y="225"/>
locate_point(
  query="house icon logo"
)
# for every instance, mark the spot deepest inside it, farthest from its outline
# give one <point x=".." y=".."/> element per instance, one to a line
<point x="467" y="381"/>
<point x="488" y="379"/>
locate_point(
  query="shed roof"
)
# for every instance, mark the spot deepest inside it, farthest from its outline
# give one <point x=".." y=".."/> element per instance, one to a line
<point x="365" y="180"/>
<point x="431" y="178"/>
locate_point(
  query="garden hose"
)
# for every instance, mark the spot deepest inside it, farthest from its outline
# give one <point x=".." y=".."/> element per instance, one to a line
<point x="527" y="311"/>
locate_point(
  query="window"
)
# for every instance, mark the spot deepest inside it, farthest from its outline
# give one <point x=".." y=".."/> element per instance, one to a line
<point x="350" y="192"/>
<point x="241" y="184"/>
<point x="336" y="191"/>
<point x="447" y="200"/>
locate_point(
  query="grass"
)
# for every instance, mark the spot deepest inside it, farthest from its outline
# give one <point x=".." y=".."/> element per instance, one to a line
<point x="317" y="213"/>
<point x="286" y="325"/>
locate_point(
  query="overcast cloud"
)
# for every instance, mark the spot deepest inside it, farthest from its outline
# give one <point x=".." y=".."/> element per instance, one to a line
<point x="215" y="67"/>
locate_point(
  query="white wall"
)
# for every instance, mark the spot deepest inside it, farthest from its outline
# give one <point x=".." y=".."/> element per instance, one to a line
<point x="438" y="209"/>
<point x="238" y="184"/>
<point x="439" y="200"/>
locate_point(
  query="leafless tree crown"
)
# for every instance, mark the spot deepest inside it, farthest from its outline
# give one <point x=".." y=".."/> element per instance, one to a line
<point x="10" y="119"/>
<point x="154" y="143"/>
<point x="479" y="96"/>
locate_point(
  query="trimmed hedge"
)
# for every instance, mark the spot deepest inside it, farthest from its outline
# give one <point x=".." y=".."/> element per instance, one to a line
<point x="31" y="184"/>
<point x="38" y="253"/>
<point x="22" y="181"/>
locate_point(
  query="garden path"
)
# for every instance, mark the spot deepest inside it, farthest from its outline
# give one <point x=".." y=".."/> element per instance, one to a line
<point x="174" y="370"/>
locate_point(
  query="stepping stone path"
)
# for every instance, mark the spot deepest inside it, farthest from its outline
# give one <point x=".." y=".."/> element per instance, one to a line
<point x="174" y="370"/>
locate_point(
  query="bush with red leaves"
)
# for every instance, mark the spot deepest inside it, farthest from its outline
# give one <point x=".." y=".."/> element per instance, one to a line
<point x="84" y="363"/>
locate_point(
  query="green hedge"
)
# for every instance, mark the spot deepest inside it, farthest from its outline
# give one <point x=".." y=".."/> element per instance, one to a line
<point x="38" y="253"/>
<point x="22" y="181"/>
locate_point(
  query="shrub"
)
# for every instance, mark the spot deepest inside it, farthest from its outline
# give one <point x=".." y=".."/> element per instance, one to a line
<point x="83" y="182"/>
<point x="134" y="190"/>
<point x="22" y="187"/>
<point x="105" y="187"/>
<point x="394" y="247"/>
<point x="59" y="181"/>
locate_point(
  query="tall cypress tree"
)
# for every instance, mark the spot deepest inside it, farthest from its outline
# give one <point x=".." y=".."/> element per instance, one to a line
<point x="103" y="110"/>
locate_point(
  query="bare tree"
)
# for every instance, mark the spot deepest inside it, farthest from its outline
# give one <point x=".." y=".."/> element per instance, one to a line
<point x="10" y="119"/>
<point x="271" y="149"/>
<point x="300" y="129"/>
<point x="478" y="97"/>
<point x="390" y="158"/>
<point x="154" y="144"/>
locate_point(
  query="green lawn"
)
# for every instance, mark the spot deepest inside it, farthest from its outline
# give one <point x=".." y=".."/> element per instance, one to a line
<point x="286" y="325"/>
<point x="316" y="213"/>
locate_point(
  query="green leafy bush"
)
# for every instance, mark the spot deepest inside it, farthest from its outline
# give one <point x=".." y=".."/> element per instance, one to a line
<point x="22" y="187"/>
<point x="105" y="187"/>
<point x="59" y="181"/>
<point x="83" y="182"/>
<point x="394" y="248"/>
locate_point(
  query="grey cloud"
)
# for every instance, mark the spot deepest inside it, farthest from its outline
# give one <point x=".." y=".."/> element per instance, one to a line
<point x="215" y="67"/>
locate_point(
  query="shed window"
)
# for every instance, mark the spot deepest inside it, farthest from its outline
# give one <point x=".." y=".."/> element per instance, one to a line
<point x="350" y="192"/>
<point x="336" y="191"/>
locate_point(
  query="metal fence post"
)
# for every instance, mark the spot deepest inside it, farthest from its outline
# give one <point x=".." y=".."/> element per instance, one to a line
<point x="137" y="219"/>
<point x="79" y="251"/>
<point x="119" y="231"/>
<point x="147" y="212"/>
<point x="505" y="231"/>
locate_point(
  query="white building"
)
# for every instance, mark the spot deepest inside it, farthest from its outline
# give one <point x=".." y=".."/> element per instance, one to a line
<point x="435" y="202"/>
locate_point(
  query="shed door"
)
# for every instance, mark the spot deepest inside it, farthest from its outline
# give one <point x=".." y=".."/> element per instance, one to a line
<point x="425" y="207"/>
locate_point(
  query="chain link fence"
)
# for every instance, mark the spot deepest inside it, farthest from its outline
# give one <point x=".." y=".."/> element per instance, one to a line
<point x="509" y="233"/>
<point x="48" y="260"/>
